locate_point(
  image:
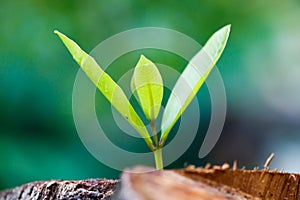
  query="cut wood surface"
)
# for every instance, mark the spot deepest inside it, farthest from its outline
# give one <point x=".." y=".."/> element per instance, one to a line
<point x="167" y="185"/>
<point x="218" y="182"/>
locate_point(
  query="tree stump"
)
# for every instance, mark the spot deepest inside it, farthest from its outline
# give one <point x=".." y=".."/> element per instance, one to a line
<point x="218" y="183"/>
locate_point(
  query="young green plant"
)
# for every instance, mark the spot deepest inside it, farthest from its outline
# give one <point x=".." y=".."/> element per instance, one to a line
<point x="147" y="87"/>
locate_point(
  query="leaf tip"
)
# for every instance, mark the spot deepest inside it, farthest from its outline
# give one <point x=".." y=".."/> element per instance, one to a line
<point x="59" y="34"/>
<point x="143" y="59"/>
<point x="227" y="27"/>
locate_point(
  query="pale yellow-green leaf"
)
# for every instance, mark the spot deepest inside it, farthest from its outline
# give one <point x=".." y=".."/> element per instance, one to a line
<point x="107" y="86"/>
<point x="192" y="79"/>
<point x="147" y="85"/>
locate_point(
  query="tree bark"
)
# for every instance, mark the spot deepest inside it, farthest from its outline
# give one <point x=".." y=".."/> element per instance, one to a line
<point x="92" y="189"/>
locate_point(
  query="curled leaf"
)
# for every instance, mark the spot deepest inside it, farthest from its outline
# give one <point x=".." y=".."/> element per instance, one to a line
<point x="147" y="85"/>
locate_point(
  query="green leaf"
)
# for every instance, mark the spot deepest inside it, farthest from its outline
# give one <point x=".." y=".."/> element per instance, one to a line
<point x="147" y="85"/>
<point x="112" y="92"/>
<point x="192" y="79"/>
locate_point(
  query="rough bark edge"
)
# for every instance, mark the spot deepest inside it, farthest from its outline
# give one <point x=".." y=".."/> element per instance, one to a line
<point x="261" y="184"/>
<point x="96" y="189"/>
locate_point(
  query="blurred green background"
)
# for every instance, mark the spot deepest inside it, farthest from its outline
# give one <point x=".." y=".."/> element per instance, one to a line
<point x="260" y="68"/>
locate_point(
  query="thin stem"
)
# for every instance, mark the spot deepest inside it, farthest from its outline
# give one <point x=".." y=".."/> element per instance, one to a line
<point x="158" y="158"/>
<point x="153" y="129"/>
<point x="151" y="146"/>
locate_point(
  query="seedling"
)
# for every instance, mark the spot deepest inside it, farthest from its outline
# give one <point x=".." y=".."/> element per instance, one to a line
<point x="147" y="87"/>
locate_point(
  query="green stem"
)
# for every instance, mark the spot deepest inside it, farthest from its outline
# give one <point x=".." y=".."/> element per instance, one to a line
<point x="153" y="129"/>
<point x="158" y="158"/>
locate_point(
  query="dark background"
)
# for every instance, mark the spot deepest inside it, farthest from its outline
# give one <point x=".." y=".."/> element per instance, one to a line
<point x="260" y="68"/>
